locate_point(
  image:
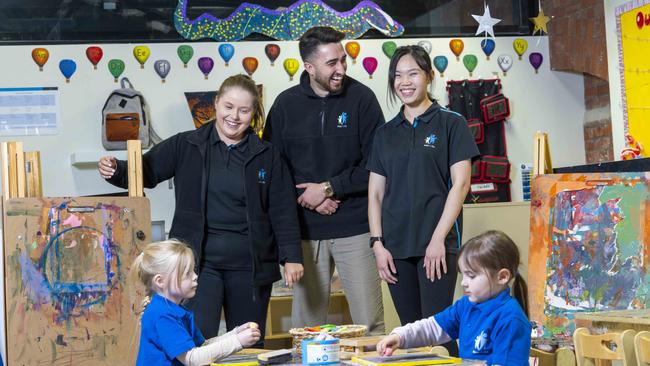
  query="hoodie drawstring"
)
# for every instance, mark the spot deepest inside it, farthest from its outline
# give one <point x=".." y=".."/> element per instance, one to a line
<point x="317" y="251"/>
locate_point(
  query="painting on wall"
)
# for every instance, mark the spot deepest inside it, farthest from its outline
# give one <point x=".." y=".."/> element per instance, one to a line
<point x="201" y="105"/>
<point x="589" y="246"/>
<point x="69" y="298"/>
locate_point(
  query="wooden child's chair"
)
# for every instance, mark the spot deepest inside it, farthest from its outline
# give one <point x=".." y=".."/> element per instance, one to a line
<point x="590" y="347"/>
<point x="642" y="348"/>
<point x="562" y="356"/>
<point x="543" y="358"/>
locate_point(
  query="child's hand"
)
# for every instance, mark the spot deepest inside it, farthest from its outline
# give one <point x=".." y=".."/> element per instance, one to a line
<point x="245" y="326"/>
<point x="248" y="334"/>
<point x="388" y="345"/>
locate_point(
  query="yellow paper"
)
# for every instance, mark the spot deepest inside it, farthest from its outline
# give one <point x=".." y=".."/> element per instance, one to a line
<point x="636" y="74"/>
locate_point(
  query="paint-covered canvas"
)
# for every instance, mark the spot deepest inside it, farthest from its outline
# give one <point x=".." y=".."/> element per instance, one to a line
<point x="589" y="246"/>
<point x="69" y="298"/>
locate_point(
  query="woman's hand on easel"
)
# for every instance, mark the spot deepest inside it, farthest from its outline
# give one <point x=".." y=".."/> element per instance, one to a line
<point x="106" y="166"/>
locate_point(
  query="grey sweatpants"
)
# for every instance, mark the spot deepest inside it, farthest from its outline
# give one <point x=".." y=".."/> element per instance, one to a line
<point x="357" y="269"/>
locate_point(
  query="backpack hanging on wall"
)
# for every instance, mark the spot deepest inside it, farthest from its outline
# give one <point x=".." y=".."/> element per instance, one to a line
<point x="125" y="116"/>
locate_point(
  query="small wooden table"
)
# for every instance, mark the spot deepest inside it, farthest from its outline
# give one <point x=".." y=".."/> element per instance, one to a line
<point x="614" y="321"/>
<point x="297" y="360"/>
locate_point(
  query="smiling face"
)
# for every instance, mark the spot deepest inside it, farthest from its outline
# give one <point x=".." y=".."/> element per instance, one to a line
<point x="234" y="113"/>
<point x="326" y="68"/>
<point x="411" y="82"/>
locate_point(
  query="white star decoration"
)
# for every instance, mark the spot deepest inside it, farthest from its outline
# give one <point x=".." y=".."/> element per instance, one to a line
<point x="485" y="22"/>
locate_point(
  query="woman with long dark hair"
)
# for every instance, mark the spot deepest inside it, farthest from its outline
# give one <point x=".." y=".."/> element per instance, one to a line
<point x="420" y="170"/>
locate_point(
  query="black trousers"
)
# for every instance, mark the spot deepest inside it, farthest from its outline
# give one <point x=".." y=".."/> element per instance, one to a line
<point x="415" y="297"/>
<point x="233" y="291"/>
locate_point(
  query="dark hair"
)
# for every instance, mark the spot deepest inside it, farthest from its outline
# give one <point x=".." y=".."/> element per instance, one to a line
<point x="315" y="37"/>
<point x="492" y="251"/>
<point x="246" y="83"/>
<point x="420" y="56"/>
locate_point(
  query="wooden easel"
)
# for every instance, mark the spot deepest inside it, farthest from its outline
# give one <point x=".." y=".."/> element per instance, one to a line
<point x="134" y="159"/>
<point x="541" y="154"/>
<point x="21" y="171"/>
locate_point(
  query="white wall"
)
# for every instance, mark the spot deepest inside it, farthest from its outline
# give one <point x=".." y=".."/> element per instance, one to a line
<point x="615" y="92"/>
<point x="548" y="101"/>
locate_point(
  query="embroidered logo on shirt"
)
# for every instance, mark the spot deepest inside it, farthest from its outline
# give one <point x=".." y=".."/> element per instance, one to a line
<point x="261" y="176"/>
<point x="430" y="140"/>
<point x="343" y="120"/>
<point x="481" y="343"/>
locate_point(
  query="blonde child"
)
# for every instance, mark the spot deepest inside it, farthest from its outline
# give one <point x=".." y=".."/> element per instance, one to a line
<point x="488" y="323"/>
<point x="169" y="335"/>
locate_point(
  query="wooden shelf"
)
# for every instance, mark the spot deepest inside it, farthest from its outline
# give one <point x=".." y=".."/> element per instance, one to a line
<point x="278" y="321"/>
<point x="278" y="336"/>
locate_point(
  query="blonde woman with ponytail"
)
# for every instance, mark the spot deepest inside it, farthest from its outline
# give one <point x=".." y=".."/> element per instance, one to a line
<point x="168" y="334"/>
<point x="234" y="207"/>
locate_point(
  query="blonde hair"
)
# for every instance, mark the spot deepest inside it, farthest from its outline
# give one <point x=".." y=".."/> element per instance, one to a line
<point x="169" y="257"/>
<point x="246" y="83"/>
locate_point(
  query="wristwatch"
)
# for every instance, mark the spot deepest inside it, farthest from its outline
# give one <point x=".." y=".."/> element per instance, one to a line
<point x="374" y="239"/>
<point x="329" y="191"/>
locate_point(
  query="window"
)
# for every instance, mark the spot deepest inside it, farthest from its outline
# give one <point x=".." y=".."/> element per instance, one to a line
<point x="83" y="21"/>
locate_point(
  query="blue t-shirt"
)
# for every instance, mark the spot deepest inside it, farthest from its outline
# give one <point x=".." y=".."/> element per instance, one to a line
<point x="496" y="330"/>
<point x="168" y="331"/>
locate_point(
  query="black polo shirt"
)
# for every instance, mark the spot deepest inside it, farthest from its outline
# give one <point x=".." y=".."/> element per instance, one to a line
<point x="416" y="160"/>
<point x="227" y="243"/>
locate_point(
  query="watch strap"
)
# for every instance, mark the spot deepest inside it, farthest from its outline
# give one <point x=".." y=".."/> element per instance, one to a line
<point x="374" y="239"/>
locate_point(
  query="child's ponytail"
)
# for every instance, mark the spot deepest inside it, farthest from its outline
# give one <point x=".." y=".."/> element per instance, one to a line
<point x="139" y="278"/>
<point x="520" y="291"/>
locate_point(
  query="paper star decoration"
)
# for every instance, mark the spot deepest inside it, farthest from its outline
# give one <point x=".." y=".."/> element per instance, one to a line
<point x="540" y="22"/>
<point x="485" y="22"/>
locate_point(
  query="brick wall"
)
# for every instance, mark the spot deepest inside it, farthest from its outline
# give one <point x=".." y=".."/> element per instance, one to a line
<point x="577" y="36"/>
<point x="577" y="44"/>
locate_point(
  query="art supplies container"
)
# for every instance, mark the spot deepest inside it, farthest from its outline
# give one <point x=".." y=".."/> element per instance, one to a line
<point x="324" y="352"/>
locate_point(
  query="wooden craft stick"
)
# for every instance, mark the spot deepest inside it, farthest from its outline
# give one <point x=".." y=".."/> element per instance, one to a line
<point x="33" y="171"/>
<point x="21" y="184"/>
<point x="4" y="155"/>
<point x="134" y="151"/>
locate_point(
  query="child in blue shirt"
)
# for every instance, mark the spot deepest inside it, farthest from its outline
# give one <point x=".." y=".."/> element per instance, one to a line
<point x="169" y="336"/>
<point x="488" y="323"/>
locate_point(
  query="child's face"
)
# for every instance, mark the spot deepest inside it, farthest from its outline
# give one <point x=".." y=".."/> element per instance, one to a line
<point x="187" y="288"/>
<point x="478" y="286"/>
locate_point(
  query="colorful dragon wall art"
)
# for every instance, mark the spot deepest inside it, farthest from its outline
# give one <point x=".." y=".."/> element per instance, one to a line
<point x="285" y="24"/>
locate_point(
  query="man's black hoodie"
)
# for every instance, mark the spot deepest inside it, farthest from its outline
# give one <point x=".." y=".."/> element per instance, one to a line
<point x="328" y="139"/>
